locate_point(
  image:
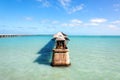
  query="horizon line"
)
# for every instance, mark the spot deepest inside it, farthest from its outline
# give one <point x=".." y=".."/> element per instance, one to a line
<point x="53" y="34"/>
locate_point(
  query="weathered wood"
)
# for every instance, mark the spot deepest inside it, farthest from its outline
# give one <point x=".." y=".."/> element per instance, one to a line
<point x="61" y="59"/>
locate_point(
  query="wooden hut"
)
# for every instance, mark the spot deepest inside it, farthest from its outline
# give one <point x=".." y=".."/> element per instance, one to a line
<point x="60" y="52"/>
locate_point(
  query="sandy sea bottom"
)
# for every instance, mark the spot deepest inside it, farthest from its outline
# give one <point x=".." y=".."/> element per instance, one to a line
<point x="29" y="57"/>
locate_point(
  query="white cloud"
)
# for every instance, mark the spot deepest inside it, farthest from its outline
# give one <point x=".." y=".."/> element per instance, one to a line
<point x="98" y="20"/>
<point x="95" y="22"/>
<point x="90" y="24"/>
<point x="116" y="22"/>
<point x="76" y="21"/>
<point x="65" y="3"/>
<point x="73" y="23"/>
<point x="45" y="3"/>
<point x="29" y="18"/>
<point x="69" y="7"/>
<point x="76" y="8"/>
<point x="113" y="27"/>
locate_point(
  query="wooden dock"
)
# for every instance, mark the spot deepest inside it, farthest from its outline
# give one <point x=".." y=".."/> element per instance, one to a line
<point x="60" y="52"/>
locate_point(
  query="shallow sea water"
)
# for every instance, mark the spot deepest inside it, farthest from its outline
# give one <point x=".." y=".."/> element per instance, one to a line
<point x="29" y="57"/>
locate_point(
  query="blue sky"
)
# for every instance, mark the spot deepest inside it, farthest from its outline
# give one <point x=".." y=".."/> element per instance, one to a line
<point x="75" y="17"/>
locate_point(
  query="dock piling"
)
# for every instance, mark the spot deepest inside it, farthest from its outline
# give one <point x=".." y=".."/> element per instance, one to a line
<point x="60" y="52"/>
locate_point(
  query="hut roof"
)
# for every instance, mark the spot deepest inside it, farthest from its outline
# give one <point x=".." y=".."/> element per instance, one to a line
<point x="60" y="36"/>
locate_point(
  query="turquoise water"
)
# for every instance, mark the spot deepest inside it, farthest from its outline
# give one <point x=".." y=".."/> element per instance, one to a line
<point x="29" y="57"/>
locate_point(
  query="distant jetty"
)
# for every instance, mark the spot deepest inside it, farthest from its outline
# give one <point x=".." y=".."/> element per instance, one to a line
<point x="11" y="35"/>
<point x="60" y="52"/>
<point x="7" y="35"/>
